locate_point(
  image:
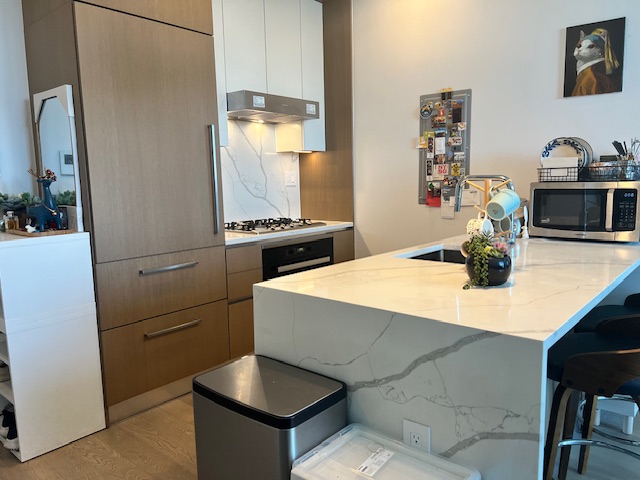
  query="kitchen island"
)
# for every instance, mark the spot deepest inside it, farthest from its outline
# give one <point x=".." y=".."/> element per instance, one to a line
<point x="410" y="343"/>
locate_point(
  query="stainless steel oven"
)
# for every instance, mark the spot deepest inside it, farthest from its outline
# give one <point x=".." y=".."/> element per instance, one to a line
<point x="605" y="211"/>
<point x="284" y="258"/>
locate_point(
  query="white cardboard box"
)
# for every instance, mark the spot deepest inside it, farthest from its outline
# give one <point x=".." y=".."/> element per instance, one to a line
<point x="357" y="452"/>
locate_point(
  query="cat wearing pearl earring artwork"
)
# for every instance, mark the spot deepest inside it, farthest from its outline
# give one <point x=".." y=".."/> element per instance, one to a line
<point x="597" y="68"/>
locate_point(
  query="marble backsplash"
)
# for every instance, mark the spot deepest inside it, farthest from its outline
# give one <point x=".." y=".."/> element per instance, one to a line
<point x="254" y="176"/>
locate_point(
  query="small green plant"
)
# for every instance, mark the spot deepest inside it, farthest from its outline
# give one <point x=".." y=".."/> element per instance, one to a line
<point x="65" y="198"/>
<point x="16" y="203"/>
<point x="482" y="247"/>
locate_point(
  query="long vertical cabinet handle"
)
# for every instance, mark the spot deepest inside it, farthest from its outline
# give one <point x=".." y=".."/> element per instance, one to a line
<point x="217" y="216"/>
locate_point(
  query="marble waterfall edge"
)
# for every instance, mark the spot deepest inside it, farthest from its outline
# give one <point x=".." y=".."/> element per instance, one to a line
<point x="397" y="366"/>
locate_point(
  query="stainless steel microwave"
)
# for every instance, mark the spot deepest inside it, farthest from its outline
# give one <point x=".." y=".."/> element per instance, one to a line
<point x="605" y="211"/>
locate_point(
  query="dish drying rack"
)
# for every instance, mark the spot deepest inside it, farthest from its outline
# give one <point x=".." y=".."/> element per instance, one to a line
<point x="622" y="167"/>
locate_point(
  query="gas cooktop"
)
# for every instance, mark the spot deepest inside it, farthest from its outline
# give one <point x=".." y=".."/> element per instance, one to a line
<point x="270" y="225"/>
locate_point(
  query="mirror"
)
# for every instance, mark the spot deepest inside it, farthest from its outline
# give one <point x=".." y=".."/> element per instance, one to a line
<point x="57" y="149"/>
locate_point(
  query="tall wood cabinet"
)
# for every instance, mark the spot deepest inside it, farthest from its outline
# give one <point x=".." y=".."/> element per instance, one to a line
<point x="143" y="80"/>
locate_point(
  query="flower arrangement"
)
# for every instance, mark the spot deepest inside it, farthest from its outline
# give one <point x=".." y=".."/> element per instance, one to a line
<point x="483" y="247"/>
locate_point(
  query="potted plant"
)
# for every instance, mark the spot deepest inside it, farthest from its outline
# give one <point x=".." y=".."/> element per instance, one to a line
<point x="18" y="204"/>
<point x="487" y="262"/>
<point x="66" y="202"/>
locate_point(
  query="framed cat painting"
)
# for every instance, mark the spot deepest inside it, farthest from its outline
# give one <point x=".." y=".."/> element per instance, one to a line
<point x="594" y="58"/>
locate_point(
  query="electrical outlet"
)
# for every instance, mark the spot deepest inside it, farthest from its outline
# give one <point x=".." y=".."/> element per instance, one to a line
<point x="416" y="435"/>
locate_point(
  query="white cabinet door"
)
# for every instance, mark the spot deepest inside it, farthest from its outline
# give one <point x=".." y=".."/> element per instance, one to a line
<point x="221" y="75"/>
<point x="312" y="71"/>
<point x="282" y="29"/>
<point x="309" y="134"/>
<point x="244" y="45"/>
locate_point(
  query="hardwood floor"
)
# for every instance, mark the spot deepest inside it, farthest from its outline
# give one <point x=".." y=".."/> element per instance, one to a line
<point x="156" y="444"/>
<point x="160" y="444"/>
<point x="605" y="464"/>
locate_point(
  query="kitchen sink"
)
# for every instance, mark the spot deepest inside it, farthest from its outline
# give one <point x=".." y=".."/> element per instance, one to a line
<point x="448" y="256"/>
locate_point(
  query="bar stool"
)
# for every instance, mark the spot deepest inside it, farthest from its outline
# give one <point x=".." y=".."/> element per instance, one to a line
<point x="597" y="364"/>
<point x="621" y="406"/>
<point x="591" y="320"/>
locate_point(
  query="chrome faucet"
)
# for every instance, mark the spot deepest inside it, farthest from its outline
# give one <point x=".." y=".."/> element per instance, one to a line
<point x="467" y="178"/>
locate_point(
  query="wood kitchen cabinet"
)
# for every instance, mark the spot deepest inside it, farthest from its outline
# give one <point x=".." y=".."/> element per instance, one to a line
<point x="194" y="15"/>
<point x="132" y="290"/>
<point x="244" y="268"/>
<point x="343" y="246"/>
<point x="143" y="81"/>
<point x="158" y="351"/>
<point x="191" y="14"/>
<point x="148" y="96"/>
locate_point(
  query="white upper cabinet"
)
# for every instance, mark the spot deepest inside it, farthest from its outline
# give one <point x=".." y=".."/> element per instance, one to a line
<point x="221" y="76"/>
<point x="283" y="47"/>
<point x="310" y="134"/>
<point x="244" y="44"/>
<point x="313" y="135"/>
<point x="272" y="46"/>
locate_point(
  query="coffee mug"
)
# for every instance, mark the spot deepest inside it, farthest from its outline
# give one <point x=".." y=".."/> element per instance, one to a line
<point x="505" y="225"/>
<point x="502" y="204"/>
<point x="480" y="225"/>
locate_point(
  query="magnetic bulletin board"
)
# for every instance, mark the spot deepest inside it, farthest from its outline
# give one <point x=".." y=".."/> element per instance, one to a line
<point x="443" y="145"/>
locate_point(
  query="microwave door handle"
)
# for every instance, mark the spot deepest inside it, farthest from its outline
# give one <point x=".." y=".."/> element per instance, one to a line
<point x="608" y="223"/>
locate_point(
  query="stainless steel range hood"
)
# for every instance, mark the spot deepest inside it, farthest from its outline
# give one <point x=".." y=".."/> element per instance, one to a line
<point x="267" y="108"/>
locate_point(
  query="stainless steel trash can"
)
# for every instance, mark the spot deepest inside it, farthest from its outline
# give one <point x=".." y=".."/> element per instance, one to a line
<point x="254" y="416"/>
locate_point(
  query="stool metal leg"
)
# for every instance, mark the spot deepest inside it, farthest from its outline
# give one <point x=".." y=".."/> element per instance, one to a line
<point x="558" y="409"/>
<point x="590" y="408"/>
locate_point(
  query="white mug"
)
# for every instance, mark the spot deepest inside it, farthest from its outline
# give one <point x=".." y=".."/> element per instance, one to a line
<point x="502" y="204"/>
<point x="480" y="225"/>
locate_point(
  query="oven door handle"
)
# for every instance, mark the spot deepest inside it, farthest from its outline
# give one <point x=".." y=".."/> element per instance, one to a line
<point x="306" y="263"/>
<point x="608" y="222"/>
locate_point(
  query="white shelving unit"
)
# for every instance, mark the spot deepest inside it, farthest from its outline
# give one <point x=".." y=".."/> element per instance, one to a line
<point x="49" y="339"/>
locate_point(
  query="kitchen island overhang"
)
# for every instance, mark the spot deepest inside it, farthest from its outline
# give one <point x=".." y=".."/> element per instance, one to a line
<point x="409" y="342"/>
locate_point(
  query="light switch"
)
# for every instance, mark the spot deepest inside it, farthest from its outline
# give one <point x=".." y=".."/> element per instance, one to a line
<point x="291" y="180"/>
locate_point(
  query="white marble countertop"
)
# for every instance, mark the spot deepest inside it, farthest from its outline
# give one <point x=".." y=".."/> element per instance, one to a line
<point x="233" y="238"/>
<point x="553" y="284"/>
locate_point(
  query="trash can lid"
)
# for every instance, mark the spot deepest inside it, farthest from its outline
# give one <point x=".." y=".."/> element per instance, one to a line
<point x="269" y="391"/>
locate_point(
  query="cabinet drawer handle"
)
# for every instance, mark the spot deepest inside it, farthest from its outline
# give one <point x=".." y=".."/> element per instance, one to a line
<point x="168" y="268"/>
<point x="182" y="326"/>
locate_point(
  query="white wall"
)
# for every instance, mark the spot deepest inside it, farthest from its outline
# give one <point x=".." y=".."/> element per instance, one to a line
<point x="511" y="54"/>
<point x="16" y="138"/>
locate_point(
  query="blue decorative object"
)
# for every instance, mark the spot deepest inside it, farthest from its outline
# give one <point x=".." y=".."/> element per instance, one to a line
<point x="47" y="211"/>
